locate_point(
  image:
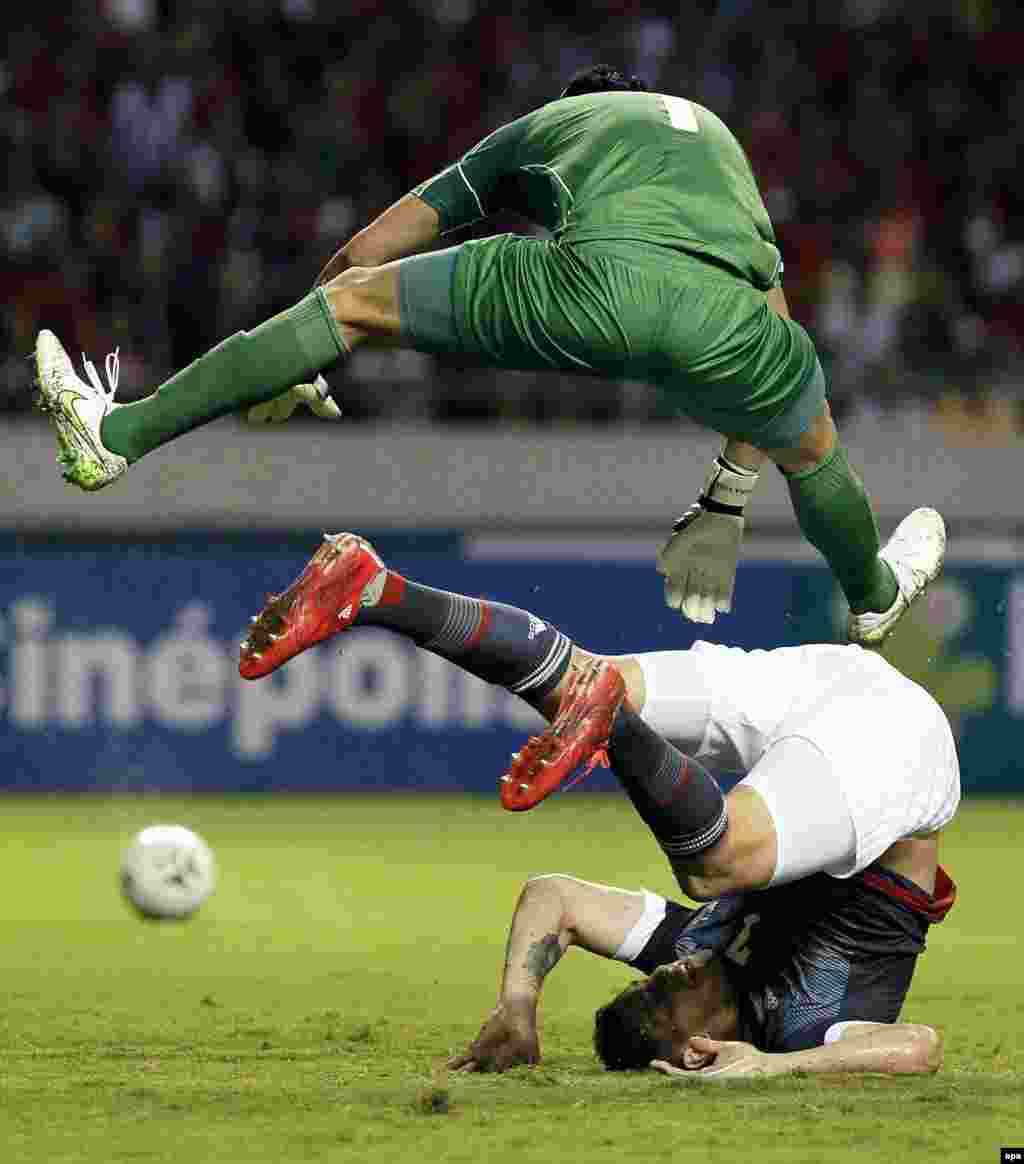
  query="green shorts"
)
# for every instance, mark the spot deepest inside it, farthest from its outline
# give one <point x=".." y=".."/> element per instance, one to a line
<point x="634" y="311"/>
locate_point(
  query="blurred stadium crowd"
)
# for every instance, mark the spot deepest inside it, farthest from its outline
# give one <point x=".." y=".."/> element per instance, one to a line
<point x="179" y="169"/>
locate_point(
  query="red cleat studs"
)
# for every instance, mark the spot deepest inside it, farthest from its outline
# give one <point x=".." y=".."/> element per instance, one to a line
<point x="323" y="601"/>
<point x="576" y="739"/>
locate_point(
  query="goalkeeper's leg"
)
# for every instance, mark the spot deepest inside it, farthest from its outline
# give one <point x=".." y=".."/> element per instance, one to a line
<point x="253" y="367"/>
<point x="99" y="439"/>
<point x="836" y="516"/>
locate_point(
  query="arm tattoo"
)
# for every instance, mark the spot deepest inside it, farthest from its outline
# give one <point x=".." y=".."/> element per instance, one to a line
<point x="543" y="956"/>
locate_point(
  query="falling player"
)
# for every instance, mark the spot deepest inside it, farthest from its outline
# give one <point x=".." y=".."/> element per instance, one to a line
<point x="830" y="840"/>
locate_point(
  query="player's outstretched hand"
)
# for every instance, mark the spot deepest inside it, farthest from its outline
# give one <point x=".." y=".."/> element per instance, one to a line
<point x="699" y="558"/>
<point x="507" y="1039"/>
<point x="699" y="563"/>
<point x="706" y="1058"/>
<point x="315" y="396"/>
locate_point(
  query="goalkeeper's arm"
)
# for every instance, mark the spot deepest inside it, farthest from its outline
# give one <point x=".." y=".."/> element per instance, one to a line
<point x="410" y="225"/>
<point x="407" y="227"/>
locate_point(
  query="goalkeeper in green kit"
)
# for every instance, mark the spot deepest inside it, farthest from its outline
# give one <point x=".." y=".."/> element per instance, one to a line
<point x="661" y="266"/>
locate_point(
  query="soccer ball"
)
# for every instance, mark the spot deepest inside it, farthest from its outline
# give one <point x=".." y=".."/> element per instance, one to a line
<point x="167" y="872"/>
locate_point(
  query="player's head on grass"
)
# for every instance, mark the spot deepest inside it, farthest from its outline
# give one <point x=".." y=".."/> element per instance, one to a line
<point x="626" y="1031"/>
<point x="654" y="1017"/>
<point x="601" y="79"/>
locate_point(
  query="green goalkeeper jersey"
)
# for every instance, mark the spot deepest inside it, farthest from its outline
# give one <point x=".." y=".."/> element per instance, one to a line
<point x="619" y="167"/>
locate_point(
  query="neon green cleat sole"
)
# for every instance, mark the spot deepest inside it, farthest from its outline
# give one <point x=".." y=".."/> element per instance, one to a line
<point x="76" y="408"/>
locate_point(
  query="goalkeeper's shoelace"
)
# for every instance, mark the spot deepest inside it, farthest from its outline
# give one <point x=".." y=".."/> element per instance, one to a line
<point x="112" y="367"/>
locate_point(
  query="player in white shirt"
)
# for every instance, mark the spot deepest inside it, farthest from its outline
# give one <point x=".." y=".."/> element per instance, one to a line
<point x="821" y="864"/>
<point x="850" y="772"/>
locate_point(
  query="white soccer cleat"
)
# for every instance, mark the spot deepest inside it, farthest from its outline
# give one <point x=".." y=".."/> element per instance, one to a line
<point x="914" y="553"/>
<point x="77" y="408"/>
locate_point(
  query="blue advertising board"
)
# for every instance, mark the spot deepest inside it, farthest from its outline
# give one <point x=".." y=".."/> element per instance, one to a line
<point x="118" y="663"/>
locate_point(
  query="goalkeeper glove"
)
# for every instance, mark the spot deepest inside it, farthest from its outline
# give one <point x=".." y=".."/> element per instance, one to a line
<point x="316" y="395"/>
<point x="699" y="558"/>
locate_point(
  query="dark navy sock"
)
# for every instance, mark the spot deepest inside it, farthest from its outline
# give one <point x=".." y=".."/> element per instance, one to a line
<point x="678" y="798"/>
<point x="501" y="644"/>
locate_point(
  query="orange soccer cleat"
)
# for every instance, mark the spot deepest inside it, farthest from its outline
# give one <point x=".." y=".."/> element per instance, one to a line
<point x="577" y="736"/>
<point x="343" y="575"/>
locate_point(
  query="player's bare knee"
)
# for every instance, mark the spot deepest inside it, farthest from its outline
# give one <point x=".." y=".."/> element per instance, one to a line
<point x="741" y="860"/>
<point x="346" y="295"/>
<point x="696" y="887"/>
<point x="714" y="874"/>
<point x="814" y="445"/>
<point x="704" y="880"/>
<point x="367" y="298"/>
<point x="343" y="283"/>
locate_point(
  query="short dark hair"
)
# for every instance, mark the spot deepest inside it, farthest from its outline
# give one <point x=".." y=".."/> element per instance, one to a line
<point x="602" y="79"/>
<point x="624" y="1037"/>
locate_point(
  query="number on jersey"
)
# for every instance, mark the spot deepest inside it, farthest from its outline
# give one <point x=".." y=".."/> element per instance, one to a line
<point x="680" y="114"/>
<point x="738" y="949"/>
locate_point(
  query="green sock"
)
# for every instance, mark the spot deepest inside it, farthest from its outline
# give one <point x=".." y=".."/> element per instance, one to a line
<point x="248" y="368"/>
<point x="836" y="517"/>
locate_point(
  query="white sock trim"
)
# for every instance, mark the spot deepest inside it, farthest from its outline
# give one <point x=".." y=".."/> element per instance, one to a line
<point x="555" y="657"/>
<point x="638" y="937"/>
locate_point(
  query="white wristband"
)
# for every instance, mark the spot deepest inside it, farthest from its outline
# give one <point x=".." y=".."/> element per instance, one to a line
<point x="727" y="489"/>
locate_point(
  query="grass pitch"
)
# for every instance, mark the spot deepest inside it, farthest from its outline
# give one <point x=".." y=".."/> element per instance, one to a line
<point x="352" y="943"/>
